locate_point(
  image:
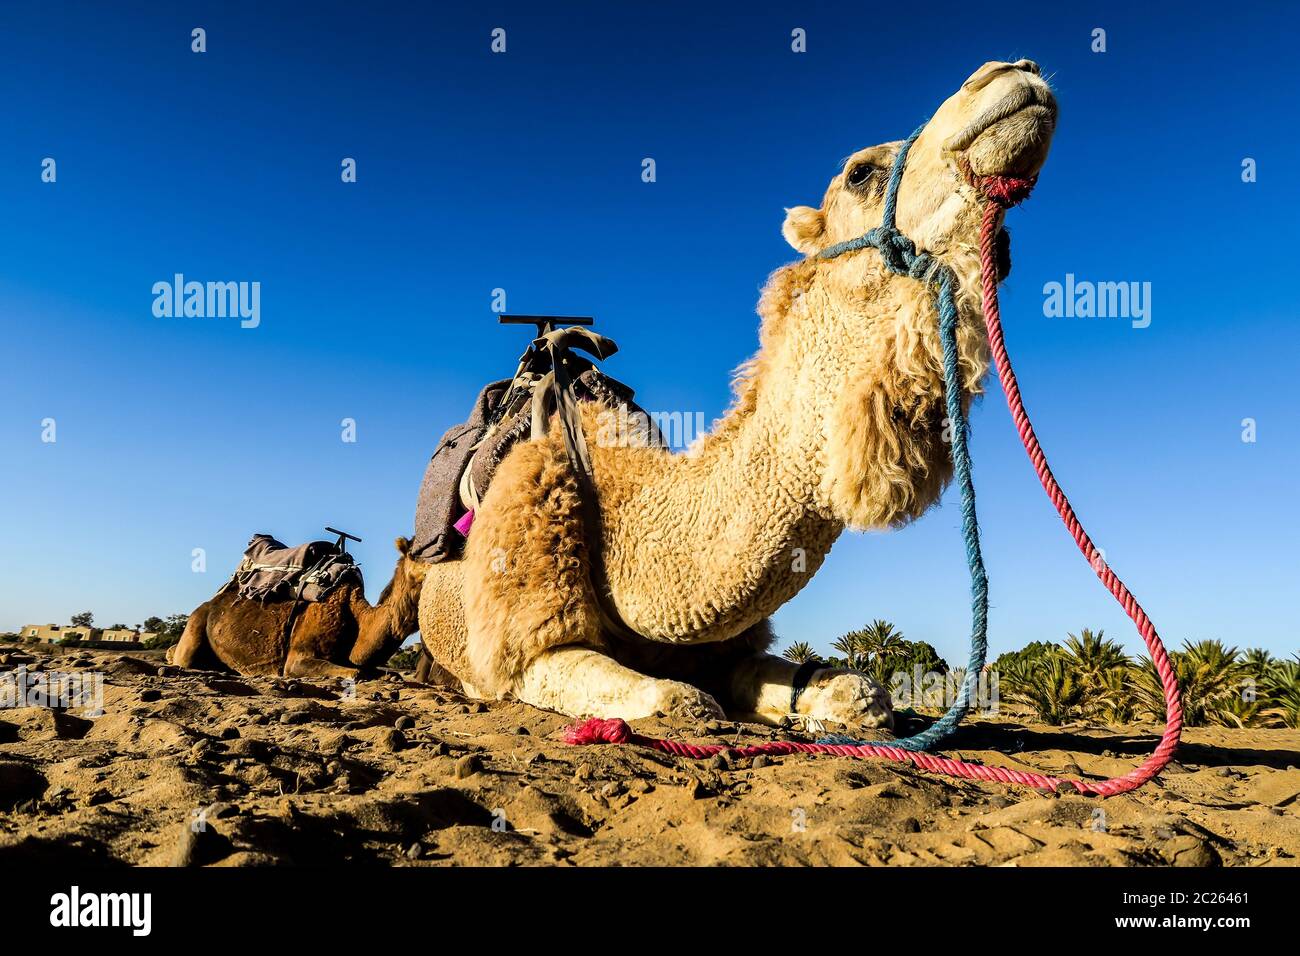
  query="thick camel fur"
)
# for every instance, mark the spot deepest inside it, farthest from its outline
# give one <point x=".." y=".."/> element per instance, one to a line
<point x="838" y="423"/>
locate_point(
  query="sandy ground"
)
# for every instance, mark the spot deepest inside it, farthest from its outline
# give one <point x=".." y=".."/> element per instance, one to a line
<point x="188" y="767"/>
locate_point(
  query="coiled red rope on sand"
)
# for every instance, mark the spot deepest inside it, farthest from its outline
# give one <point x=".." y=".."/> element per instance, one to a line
<point x="999" y="192"/>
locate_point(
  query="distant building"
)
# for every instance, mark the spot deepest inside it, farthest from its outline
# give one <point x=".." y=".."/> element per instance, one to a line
<point x="54" y="633"/>
<point x="45" y="633"/>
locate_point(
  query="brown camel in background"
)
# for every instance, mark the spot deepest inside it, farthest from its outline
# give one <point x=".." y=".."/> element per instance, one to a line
<point x="335" y="637"/>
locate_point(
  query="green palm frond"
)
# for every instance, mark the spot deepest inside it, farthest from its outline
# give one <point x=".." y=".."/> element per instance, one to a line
<point x="1209" y="674"/>
<point x="851" y="646"/>
<point x="1258" y="661"/>
<point x="799" y="652"/>
<point x="1049" y="687"/>
<point x="1093" y="656"/>
<point x="881" y="638"/>
<point x="1280" y="694"/>
<point x="1235" y="711"/>
<point x="1111" y="700"/>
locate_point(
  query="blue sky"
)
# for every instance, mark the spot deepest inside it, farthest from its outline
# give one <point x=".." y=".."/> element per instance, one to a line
<point x="522" y="171"/>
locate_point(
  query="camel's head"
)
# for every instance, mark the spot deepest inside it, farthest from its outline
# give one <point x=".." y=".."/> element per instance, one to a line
<point x="887" y="459"/>
<point x="409" y="573"/>
<point x="999" y="123"/>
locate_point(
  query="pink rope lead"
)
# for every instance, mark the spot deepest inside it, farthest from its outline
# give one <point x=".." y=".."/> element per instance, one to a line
<point x="1164" y="752"/>
<point x="1000" y="192"/>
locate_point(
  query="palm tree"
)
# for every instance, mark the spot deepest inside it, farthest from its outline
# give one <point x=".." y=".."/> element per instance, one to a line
<point x="1258" y="661"/>
<point x="851" y="646"/>
<point x="1048" y="686"/>
<point x="886" y="650"/>
<point x="1015" y="667"/>
<point x="1237" y="711"/>
<point x="1280" y="691"/>
<point x="1015" y="672"/>
<point x="1210" y="677"/>
<point x="1093" y="656"/>
<point x="1217" y="666"/>
<point x="881" y="639"/>
<point x="880" y="651"/>
<point x="800" y="652"/>
<point x="1101" y="667"/>
<point x="1112" y="699"/>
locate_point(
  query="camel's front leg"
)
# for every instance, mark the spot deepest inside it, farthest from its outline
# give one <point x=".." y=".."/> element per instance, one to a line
<point x="301" y="664"/>
<point x="761" y="687"/>
<point x="581" y="682"/>
<point x="194" y="639"/>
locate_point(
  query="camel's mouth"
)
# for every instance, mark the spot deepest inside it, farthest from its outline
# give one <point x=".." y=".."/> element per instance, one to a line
<point x="1012" y="136"/>
<point x="1025" y="96"/>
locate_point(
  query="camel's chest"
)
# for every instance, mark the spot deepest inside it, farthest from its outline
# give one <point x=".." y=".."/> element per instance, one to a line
<point x="700" y="588"/>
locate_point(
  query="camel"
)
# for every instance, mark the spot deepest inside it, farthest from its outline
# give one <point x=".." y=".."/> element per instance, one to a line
<point x="837" y="423"/>
<point x="336" y="637"/>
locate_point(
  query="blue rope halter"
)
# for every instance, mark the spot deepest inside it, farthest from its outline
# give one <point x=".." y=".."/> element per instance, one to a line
<point x="900" y="257"/>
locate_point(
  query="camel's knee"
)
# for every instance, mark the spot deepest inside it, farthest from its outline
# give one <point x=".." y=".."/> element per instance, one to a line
<point x="429" y="671"/>
<point x="186" y="657"/>
<point x="185" y="651"/>
<point x="303" y="665"/>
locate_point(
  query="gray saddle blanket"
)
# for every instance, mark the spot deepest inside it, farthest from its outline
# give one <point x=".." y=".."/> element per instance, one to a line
<point x="480" y="444"/>
<point x="273" y="571"/>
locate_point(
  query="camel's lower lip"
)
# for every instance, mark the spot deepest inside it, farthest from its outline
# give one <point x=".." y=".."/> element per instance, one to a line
<point x="1042" y="113"/>
<point x="1024" y="98"/>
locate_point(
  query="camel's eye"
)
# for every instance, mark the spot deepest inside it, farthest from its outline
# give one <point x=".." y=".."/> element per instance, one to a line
<point x="859" y="174"/>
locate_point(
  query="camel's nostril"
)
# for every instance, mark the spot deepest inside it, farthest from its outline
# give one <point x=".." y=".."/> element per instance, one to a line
<point x="983" y="76"/>
<point x="990" y="71"/>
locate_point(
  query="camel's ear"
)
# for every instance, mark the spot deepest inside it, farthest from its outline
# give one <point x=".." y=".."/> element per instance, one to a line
<point x="803" y="228"/>
<point x="403" y="546"/>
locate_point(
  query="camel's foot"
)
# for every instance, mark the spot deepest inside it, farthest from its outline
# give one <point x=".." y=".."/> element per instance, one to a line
<point x="680" y="701"/>
<point x="584" y="683"/>
<point x="761" y="688"/>
<point x="846" y="697"/>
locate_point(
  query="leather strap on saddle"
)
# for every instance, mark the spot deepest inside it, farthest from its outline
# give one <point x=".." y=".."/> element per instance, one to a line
<point x="559" y="385"/>
<point x="536" y="374"/>
<point x="551" y="382"/>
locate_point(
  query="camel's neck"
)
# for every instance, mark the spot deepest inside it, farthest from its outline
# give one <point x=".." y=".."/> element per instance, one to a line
<point x="383" y="626"/>
<point x="835" y="424"/>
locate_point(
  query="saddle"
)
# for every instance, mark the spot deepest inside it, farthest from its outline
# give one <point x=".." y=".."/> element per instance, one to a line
<point x="550" y="378"/>
<point x="273" y="571"/>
